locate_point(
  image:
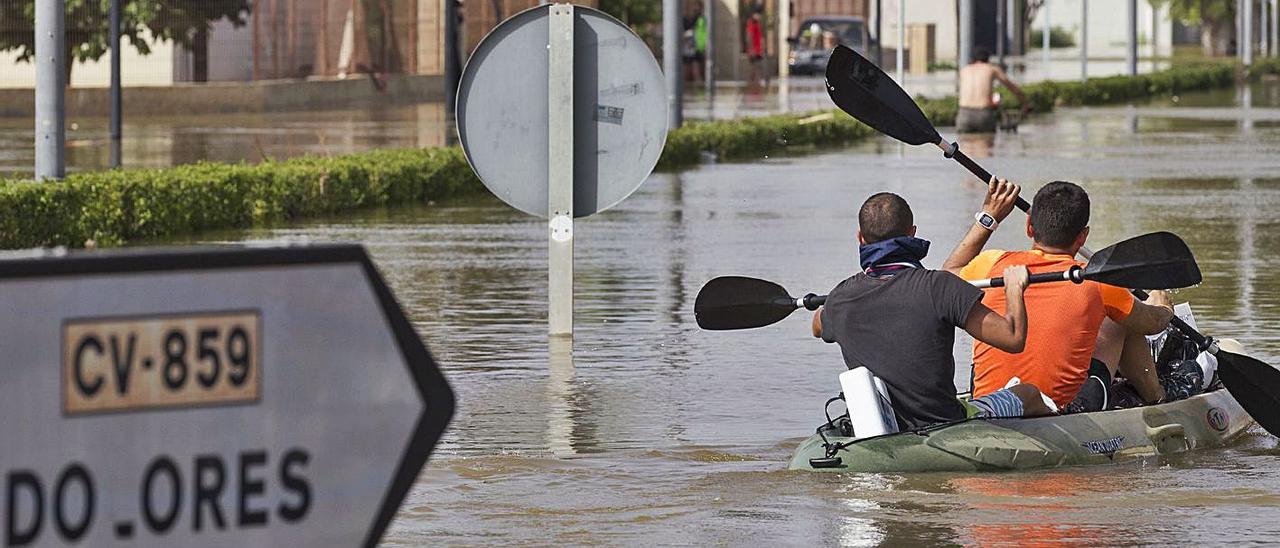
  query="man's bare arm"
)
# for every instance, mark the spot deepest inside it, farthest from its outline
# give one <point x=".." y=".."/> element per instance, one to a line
<point x="1008" y="332"/>
<point x="1150" y="317"/>
<point x="1017" y="91"/>
<point x="817" y="323"/>
<point x="1001" y="196"/>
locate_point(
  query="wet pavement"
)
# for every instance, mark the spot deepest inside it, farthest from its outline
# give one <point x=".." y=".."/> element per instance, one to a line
<point x="651" y="431"/>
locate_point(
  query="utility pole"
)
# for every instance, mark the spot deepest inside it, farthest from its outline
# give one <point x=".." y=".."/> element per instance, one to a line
<point x="784" y="34"/>
<point x="452" y="63"/>
<point x="51" y="90"/>
<point x="966" y="33"/>
<point x="117" y="103"/>
<point x="902" y="36"/>
<point x="671" y="61"/>
<point x="1044" y="40"/>
<point x="1275" y="27"/>
<point x="709" y="74"/>
<point x="1001" y="36"/>
<point x="1084" y="40"/>
<point x="880" y="36"/>
<point x="1131" y="52"/>
<point x="1246" y="40"/>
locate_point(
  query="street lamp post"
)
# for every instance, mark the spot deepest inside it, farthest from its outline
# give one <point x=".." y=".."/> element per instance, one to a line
<point x="50" y="90"/>
<point x="1084" y="40"/>
<point x="1131" y="52"/>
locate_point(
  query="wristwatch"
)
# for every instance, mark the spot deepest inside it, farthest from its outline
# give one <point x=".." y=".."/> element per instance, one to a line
<point x="986" y="220"/>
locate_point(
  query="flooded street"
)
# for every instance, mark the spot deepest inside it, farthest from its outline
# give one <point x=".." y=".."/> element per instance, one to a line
<point x="651" y="431"/>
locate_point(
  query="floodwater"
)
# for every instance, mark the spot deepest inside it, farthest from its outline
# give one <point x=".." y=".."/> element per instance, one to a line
<point x="153" y="141"/>
<point x="651" y="431"/>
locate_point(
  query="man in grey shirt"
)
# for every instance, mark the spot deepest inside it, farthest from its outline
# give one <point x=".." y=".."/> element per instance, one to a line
<point x="898" y="319"/>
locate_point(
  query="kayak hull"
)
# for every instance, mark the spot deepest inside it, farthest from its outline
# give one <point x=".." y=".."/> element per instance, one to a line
<point x="1210" y="419"/>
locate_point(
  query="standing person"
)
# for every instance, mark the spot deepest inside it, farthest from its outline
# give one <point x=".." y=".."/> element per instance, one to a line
<point x="695" y="46"/>
<point x="978" y="112"/>
<point x="899" y="319"/>
<point x="1083" y="333"/>
<point x="755" y="48"/>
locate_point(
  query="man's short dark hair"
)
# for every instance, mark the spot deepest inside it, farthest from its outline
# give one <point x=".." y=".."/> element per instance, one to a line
<point x="1059" y="212"/>
<point x="980" y="54"/>
<point x="883" y="216"/>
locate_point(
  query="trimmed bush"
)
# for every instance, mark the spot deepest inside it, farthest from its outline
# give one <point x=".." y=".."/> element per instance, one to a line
<point x="115" y="207"/>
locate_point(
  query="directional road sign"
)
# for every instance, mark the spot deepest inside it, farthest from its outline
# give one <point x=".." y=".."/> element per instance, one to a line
<point x="209" y="396"/>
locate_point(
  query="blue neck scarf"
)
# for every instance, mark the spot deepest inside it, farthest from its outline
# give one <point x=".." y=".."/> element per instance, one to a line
<point x="903" y="249"/>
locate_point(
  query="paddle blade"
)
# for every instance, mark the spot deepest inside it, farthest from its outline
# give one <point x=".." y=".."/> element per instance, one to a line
<point x="860" y="88"/>
<point x="1255" y="385"/>
<point x="735" y="302"/>
<point x="1160" y="260"/>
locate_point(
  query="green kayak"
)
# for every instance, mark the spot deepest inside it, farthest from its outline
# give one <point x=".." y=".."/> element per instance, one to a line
<point x="1209" y="419"/>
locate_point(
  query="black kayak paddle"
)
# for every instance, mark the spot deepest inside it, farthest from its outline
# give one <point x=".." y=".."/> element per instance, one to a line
<point x="1157" y="260"/>
<point x="861" y="89"/>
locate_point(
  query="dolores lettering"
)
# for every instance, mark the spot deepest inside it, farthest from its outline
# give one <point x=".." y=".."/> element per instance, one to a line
<point x="207" y="492"/>
<point x="133" y="363"/>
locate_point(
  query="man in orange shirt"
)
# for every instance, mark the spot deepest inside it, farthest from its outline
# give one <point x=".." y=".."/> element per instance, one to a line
<point x="1076" y="333"/>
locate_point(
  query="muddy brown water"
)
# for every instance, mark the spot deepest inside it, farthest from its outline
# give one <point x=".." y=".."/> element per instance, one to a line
<point x="654" y="432"/>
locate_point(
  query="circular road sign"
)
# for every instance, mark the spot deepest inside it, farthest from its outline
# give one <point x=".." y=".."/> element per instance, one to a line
<point x="619" y="111"/>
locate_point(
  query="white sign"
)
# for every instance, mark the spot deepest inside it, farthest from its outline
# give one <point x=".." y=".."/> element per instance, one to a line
<point x="209" y="396"/>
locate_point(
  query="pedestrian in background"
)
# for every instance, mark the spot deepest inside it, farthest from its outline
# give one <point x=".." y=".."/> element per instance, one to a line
<point x="755" y="48"/>
<point x="695" y="44"/>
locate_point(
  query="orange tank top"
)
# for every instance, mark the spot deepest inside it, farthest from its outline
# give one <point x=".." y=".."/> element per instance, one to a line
<point x="1063" y="320"/>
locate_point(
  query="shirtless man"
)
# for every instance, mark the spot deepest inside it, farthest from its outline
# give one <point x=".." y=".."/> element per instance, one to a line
<point x="977" y="111"/>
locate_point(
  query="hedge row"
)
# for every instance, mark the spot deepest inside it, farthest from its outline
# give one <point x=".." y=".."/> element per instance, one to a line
<point x="115" y="207"/>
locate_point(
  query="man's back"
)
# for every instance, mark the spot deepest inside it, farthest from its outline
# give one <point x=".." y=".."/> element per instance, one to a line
<point x="902" y="328"/>
<point x="1064" y="320"/>
<point x="975" y="84"/>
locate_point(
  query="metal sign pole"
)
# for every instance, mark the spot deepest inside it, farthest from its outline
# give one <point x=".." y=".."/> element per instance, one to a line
<point x="671" y="61"/>
<point x="1131" y="48"/>
<point x="560" y="170"/>
<point x="1246" y="39"/>
<point x="709" y="74"/>
<point x="902" y="38"/>
<point x="51" y="133"/>
<point x="116" y="102"/>
<point x="1044" y="39"/>
<point x="1084" y="40"/>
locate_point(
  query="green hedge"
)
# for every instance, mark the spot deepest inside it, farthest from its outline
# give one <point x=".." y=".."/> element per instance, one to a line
<point x="115" y="207"/>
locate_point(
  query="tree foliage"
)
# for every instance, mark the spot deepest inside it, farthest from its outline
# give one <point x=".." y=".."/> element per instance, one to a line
<point x="1198" y="12"/>
<point x="86" y="24"/>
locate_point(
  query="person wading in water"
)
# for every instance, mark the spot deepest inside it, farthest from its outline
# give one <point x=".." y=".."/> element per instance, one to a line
<point x="978" y="112"/>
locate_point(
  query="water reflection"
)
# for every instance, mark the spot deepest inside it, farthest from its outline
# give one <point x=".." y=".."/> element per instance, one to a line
<point x="650" y="431"/>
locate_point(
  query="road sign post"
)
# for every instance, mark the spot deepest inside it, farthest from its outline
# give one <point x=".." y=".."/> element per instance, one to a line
<point x="210" y="397"/>
<point x="560" y="170"/>
<point x="574" y="147"/>
<point x="50" y="59"/>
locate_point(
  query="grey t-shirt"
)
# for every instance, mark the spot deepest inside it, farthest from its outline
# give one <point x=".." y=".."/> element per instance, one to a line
<point x="902" y="328"/>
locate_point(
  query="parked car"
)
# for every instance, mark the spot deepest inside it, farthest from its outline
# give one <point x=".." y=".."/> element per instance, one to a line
<point x="811" y="46"/>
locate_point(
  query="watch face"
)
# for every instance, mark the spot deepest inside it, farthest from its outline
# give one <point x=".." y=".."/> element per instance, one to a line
<point x="987" y="221"/>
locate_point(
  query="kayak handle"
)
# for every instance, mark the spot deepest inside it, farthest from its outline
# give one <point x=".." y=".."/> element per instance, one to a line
<point x="811" y="301"/>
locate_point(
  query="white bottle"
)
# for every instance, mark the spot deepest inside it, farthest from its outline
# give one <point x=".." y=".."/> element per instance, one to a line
<point x="868" y="402"/>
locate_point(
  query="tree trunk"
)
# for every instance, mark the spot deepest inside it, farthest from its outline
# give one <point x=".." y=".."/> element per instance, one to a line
<point x="200" y="56"/>
<point x="1216" y="36"/>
